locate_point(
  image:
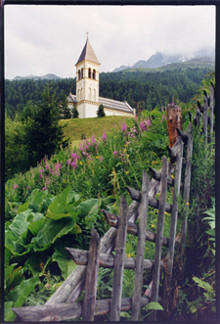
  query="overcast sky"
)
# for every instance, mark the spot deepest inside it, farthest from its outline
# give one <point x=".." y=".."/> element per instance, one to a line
<point x="49" y="39"/>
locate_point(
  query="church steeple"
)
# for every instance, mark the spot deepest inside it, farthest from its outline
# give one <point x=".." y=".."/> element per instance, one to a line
<point x="87" y="82"/>
<point x="88" y="54"/>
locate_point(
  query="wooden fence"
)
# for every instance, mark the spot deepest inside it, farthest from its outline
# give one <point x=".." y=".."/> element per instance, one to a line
<point x="175" y="173"/>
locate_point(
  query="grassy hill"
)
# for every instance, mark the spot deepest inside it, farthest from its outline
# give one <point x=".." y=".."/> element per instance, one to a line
<point x="77" y="128"/>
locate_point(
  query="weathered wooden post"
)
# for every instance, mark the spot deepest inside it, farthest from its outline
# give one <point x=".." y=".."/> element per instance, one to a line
<point x="174" y="121"/>
<point x="159" y="235"/>
<point x="173" y="225"/>
<point x="139" y="266"/>
<point x="187" y="181"/>
<point x="91" y="278"/>
<point x="119" y="262"/>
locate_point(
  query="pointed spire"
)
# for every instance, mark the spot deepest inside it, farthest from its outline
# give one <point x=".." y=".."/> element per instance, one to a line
<point x="88" y="53"/>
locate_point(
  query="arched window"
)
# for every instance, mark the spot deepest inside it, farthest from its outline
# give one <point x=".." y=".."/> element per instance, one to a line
<point x="94" y="95"/>
<point x="81" y="73"/>
<point x="90" y="94"/>
<point x="89" y="73"/>
<point x="93" y="74"/>
<point x="81" y="94"/>
<point x="78" y="93"/>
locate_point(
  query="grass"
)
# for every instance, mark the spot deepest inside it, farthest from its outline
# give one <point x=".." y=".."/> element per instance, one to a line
<point x="77" y="128"/>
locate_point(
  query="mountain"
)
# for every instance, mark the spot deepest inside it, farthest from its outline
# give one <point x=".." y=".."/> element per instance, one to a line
<point x="48" y="76"/>
<point x="159" y="59"/>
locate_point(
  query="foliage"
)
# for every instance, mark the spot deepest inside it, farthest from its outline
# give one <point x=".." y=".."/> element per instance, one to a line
<point x="138" y="87"/>
<point x="64" y="111"/>
<point x="55" y="205"/>
<point x="43" y="134"/>
<point x="100" y="111"/>
<point x="75" y="112"/>
<point x="16" y="157"/>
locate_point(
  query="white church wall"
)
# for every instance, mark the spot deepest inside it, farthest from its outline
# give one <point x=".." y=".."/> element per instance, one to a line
<point x="90" y="110"/>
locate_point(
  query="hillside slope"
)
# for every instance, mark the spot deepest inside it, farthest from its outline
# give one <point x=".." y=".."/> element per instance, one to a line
<point x="76" y="128"/>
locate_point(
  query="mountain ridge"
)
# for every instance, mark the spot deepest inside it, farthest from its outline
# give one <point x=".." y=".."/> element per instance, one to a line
<point x="159" y="59"/>
<point x="157" y="62"/>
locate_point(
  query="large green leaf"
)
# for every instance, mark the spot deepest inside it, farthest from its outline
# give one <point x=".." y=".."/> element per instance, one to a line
<point x="51" y="231"/>
<point x="154" y="306"/>
<point x="37" y="223"/>
<point x="17" y="296"/>
<point x="66" y="264"/>
<point x="9" y="315"/>
<point x="40" y="200"/>
<point x="20" y="223"/>
<point x="21" y="231"/>
<point x="85" y="207"/>
<point x="10" y="240"/>
<point x="35" y="264"/>
<point x="63" y="205"/>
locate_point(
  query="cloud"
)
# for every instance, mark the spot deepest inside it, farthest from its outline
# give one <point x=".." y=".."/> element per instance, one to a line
<point x="43" y="39"/>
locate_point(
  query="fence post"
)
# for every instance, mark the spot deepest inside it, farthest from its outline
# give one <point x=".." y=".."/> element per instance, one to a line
<point x="159" y="235"/>
<point x="119" y="262"/>
<point x="173" y="224"/>
<point x="138" y="280"/>
<point x="187" y="182"/>
<point x="91" y="278"/>
<point x="174" y="121"/>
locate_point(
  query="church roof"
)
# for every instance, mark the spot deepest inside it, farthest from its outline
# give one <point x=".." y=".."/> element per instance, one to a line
<point x="72" y="98"/>
<point x="88" y="53"/>
<point x="116" y="105"/>
<point x="107" y="103"/>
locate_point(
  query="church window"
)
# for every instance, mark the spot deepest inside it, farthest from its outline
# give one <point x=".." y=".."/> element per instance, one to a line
<point x="94" y="95"/>
<point x="81" y="94"/>
<point x="93" y="74"/>
<point x="81" y="74"/>
<point x="90" y="94"/>
<point x="89" y="73"/>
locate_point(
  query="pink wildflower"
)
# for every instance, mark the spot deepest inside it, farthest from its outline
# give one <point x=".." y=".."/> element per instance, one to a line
<point x="93" y="139"/>
<point x="75" y="156"/>
<point x="58" y="166"/>
<point x="15" y="186"/>
<point x="142" y="126"/>
<point x="101" y="158"/>
<point x="124" y="127"/>
<point x="74" y="164"/>
<point x="68" y="161"/>
<point x="44" y="188"/>
<point x="104" y="137"/>
<point x="148" y="122"/>
<point x="115" y="152"/>
<point x="47" y="166"/>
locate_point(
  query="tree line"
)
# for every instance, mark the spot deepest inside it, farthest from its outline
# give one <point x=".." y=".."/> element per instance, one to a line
<point x="140" y="88"/>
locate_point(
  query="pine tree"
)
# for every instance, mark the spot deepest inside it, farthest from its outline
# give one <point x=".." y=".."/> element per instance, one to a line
<point x="65" y="112"/>
<point x="43" y="134"/>
<point x="75" y="112"/>
<point x="100" y="112"/>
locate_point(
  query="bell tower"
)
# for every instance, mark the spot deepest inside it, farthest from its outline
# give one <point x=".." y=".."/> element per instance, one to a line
<point x="87" y="82"/>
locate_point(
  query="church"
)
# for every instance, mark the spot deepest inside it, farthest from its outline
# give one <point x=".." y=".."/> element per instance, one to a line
<point x="87" y="98"/>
